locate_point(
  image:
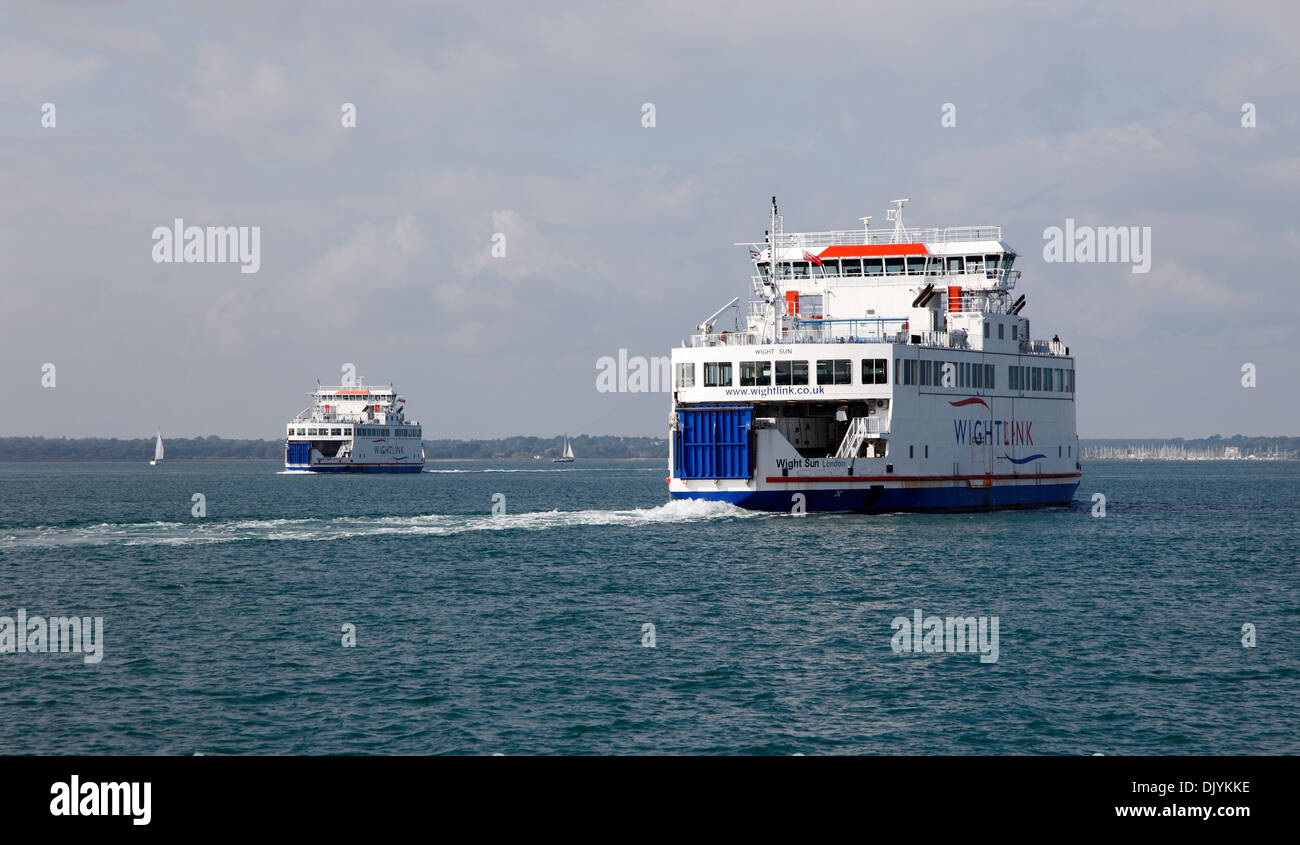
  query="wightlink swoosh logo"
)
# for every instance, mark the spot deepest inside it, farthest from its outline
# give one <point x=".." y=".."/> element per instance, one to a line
<point x="1037" y="457"/>
<point x="974" y="400"/>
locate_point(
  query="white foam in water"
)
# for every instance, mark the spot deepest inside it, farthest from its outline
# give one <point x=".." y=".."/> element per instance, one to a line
<point x="341" y="528"/>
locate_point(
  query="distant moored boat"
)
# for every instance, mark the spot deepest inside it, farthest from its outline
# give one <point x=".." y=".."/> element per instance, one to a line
<point x="566" y="457"/>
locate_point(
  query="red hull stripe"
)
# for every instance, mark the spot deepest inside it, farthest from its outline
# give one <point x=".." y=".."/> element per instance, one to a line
<point x="873" y="249"/>
<point x="822" y="479"/>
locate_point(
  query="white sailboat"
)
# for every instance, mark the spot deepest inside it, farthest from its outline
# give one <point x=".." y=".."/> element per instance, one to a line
<point x="566" y="457"/>
<point x="157" y="450"/>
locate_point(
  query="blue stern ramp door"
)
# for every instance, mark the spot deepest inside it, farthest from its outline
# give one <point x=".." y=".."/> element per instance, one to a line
<point x="714" y="442"/>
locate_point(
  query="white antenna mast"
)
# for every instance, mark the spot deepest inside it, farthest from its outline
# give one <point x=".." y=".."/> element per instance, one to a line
<point x="895" y="215"/>
<point x="866" y="229"/>
<point x="778" y="227"/>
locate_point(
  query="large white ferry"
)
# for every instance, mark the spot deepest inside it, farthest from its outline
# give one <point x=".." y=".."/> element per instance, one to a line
<point x="876" y="370"/>
<point x="354" y="428"/>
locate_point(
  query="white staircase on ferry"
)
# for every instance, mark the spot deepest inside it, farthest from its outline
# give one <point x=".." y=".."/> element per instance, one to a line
<point x="853" y="438"/>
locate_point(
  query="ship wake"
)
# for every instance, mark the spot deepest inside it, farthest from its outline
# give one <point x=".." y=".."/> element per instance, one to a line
<point x="343" y="528"/>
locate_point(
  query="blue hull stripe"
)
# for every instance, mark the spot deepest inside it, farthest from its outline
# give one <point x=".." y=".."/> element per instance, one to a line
<point x="358" y="468"/>
<point x="880" y="498"/>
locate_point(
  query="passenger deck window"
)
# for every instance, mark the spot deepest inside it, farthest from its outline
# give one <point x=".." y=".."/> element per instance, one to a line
<point x="836" y="371"/>
<point x="755" y="373"/>
<point x="717" y="374"/>
<point x="785" y="372"/>
<point x="791" y="372"/>
<point x="873" y="371"/>
<point x="686" y="374"/>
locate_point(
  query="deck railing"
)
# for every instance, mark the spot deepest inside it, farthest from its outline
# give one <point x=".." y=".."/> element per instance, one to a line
<point x="865" y="331"/>
<point x="854" y="237"/>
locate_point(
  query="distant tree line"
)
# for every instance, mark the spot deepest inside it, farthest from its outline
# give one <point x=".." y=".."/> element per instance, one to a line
<point x="517" y="448"/>
<point x="584" y="446"/>
<point x="218" y="448"/>
<point x="1256" y="445"/>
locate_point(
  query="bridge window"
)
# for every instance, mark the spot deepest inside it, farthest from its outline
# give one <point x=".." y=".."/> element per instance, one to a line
<point x="934" y="265"/>
<point x="799" y="269"/>
<point x="686" y="375"/>
<point x="916" y="265"/>
<point x="829" y="267"/>
<point x="894" y="266"/>
<point x="873" y="266"/>
<point x="991" y="266"/>
<point x="791" y="372"/>
<point x="974" y="264"/>
<point x="717" y="374"/>
<point x="954" y="265"/>
<point x="837" y="371"/>
<point x="334" y="431"/>
<point x="755" y="373"/>
<point x="765" y="270"/>
<point x="852" y="266"/>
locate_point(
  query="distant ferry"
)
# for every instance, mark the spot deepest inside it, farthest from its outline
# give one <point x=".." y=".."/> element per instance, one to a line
<point x="354" y="428"/>
<point x="876" y="370"/>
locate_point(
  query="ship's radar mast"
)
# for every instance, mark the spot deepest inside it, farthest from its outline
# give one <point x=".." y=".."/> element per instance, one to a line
<point x="895" y="215"/>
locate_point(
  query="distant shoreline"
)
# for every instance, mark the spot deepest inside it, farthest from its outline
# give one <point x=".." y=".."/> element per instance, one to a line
<point x="541" y="450"/>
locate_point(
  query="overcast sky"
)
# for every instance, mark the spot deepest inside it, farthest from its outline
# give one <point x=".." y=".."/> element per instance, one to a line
<point x="475" y="118"/>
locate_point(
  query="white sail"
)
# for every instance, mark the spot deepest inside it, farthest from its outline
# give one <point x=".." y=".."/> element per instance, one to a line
<point x="568" y="448"/>
<point x="158" y="447"/>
